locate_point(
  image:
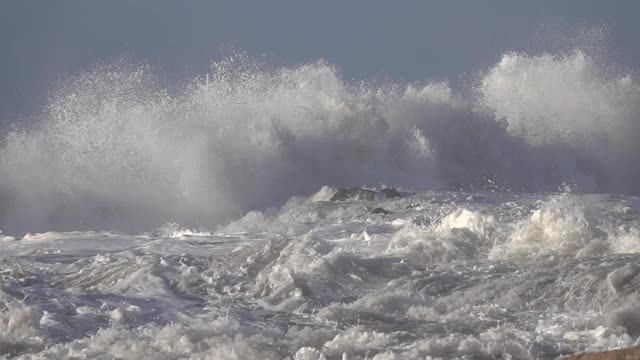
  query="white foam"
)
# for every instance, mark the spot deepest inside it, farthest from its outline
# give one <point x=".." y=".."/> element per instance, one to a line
<point x="44" y="237"/>
<point x="462" y="275"/>
<point x="175" y="231"/>
<point x="565" y="225"/>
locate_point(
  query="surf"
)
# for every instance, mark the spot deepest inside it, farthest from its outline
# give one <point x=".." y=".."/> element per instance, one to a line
<point x="114" y="149"/>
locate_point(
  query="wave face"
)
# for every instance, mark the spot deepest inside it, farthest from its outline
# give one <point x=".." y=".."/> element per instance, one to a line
<point x="115" y="150"/>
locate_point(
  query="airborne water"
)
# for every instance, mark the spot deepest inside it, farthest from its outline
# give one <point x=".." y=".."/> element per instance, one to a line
<point x="514" y="233"/>
<point x="114" y="151"/>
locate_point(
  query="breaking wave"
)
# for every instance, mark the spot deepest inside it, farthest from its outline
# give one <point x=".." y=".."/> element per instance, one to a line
<point x="115" y="150"/>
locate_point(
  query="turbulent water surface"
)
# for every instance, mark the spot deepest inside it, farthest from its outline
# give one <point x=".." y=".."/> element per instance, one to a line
<point x="442" y="274"/>
<point x="221" y="221"/>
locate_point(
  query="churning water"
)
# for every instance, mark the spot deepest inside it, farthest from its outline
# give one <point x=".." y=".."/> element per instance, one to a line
<point x="492" y="247"/>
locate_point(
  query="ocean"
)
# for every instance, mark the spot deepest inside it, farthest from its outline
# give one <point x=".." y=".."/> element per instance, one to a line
<point x="289" y="213"/>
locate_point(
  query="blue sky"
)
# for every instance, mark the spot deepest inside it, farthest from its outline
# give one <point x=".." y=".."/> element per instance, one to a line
<point x="43" y="41"/>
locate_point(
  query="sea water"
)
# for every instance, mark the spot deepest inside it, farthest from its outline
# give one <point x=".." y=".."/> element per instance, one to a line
<point x="289" y="213"/>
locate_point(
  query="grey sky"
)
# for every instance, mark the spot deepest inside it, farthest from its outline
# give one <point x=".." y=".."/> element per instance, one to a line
<point x="41" y="41"/>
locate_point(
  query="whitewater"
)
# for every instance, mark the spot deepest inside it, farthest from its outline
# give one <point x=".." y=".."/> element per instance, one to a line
<point x="287" y="213"/>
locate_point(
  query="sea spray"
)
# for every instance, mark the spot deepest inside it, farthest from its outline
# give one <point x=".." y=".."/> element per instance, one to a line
<point x="115" y="150"/>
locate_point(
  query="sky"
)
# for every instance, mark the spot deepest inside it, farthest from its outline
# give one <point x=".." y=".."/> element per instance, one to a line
<point x="44" y="41"/>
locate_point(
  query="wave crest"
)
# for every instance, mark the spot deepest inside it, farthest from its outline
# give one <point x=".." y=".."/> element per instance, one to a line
<point x="115" y="150"/>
